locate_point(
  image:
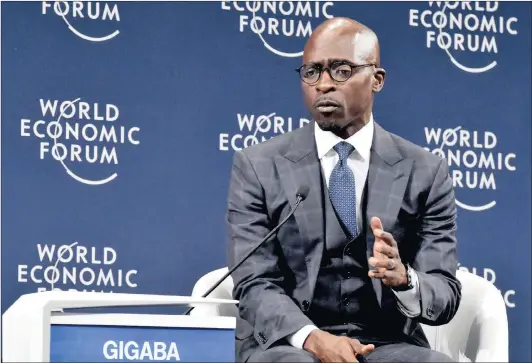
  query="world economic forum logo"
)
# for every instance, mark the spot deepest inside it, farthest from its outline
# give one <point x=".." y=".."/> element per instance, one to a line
<point x="76" y="267"/>
<point x="475" y="160"/>
<point x="276" y="22"/>
<point x="254" y="129"/>
<point x="72" y="13"/>
<point x="80" y="135"/>
<point x="467" y="31"/>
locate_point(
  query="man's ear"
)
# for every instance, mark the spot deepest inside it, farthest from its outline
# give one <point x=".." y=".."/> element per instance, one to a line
<point x="378" y="79"/>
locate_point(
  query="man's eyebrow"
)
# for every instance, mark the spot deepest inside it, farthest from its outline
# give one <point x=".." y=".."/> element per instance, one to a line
<point x="339" y="60"/>
<point x="329" y="61"/>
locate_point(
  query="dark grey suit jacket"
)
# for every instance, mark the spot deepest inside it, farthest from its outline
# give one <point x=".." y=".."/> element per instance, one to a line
<point x="409" y="189"/>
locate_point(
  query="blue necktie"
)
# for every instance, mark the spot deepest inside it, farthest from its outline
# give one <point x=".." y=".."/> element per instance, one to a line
<point x="342" y="189"/>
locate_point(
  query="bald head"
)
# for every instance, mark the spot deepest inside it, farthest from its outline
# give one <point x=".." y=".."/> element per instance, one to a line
<point x="356" y="38"/>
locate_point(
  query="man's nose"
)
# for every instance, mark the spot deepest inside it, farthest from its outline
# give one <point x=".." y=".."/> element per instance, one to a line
<point x="326" y="83"/>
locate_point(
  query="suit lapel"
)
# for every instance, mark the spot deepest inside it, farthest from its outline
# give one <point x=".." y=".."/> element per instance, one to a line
<point x="387" y="179"/>
<point x="300" y="165"/>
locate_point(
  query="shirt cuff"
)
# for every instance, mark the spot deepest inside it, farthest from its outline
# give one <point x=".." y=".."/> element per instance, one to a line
<point x="409" y="301"/>
<point x="298" y="338"/>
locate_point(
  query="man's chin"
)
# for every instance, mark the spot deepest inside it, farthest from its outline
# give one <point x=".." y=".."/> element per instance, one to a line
<point x="330" y="125"/>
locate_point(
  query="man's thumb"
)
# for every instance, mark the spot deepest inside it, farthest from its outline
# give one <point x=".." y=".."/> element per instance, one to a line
<point x="376" y="223"/>
<point x="366" y="349"/>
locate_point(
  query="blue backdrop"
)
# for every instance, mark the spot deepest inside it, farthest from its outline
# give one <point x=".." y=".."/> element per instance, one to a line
<point x="119" y="121"/>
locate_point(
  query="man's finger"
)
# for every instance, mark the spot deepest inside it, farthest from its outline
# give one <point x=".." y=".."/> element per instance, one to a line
<point x="386" y="237"/>
<point x="376" y="251"/>
<point x="348" y="353"/>
<point x="376" y="274"/>
<point x="360" y="348"/>
<point x="366" y="349"/>
<point x="387" y="263"/>
<point x="387" y="277"/>
<point x="385" y="249"/>
<point x="376" y="223"/>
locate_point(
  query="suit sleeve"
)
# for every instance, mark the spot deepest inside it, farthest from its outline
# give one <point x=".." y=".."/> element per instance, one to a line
<point x="259" y="283"/>
<point x="436" y="262"/>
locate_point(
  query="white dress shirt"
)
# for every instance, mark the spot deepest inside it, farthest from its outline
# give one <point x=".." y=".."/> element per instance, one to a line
<point x="358" y="162"/>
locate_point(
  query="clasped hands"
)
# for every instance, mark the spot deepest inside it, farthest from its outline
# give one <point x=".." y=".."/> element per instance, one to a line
<point x="387" y="267"/>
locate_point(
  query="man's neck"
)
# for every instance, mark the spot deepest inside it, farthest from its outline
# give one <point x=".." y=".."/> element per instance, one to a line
<point x="354" y="126"/>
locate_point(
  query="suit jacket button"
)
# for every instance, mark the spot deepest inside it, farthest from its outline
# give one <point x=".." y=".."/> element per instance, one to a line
<point x="306" y="305"/>
<point x="345" y="300"/>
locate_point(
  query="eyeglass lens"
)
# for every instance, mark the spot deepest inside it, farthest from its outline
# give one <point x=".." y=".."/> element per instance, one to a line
<point x="338" y="72"/>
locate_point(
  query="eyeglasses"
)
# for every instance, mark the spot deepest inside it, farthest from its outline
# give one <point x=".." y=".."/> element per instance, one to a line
<point x="339" y="71"/>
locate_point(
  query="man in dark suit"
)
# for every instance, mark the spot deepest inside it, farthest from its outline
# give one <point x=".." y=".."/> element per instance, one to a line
<point x="370" y="253"/>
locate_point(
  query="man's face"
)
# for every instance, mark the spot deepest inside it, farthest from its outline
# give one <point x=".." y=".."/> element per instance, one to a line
<point x="334" y="104"/>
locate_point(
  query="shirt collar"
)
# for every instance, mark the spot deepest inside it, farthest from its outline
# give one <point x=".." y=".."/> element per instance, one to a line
<point x="361" y="140"/>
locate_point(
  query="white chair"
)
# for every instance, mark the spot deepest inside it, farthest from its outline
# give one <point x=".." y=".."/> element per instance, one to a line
<point x="477" y="333"/>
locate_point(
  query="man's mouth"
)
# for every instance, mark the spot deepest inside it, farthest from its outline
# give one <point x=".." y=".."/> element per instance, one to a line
<point x="326" y="106"/>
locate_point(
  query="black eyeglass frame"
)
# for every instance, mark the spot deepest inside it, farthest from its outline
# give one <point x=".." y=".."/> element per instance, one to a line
<point x="321" y="69"/>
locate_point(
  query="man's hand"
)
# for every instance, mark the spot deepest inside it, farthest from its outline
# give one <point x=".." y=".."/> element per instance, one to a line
<point x="330" y="348"/>
<point x="386" y="260"/>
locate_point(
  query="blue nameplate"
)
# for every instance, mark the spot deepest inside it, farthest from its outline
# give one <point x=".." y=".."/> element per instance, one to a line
<point x="98" y="343"/>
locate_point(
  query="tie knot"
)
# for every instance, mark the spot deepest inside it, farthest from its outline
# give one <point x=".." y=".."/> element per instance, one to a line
<point x="344" y="149"/>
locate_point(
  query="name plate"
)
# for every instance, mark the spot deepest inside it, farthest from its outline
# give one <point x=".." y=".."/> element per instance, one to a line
<point x="104" y="343"/>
